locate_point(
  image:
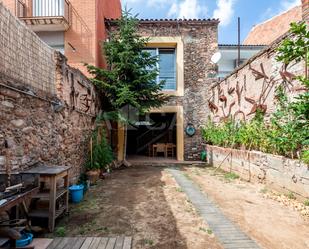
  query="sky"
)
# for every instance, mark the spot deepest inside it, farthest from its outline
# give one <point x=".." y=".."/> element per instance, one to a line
<point x="251" y="12"/>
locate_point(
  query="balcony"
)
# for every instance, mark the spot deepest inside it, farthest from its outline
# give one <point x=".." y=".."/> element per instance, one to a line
<point x="47" y="15"/>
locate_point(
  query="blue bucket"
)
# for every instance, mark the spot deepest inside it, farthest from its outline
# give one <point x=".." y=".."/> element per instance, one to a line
<point x="26" y="239"/>
<point x="77" y="193"/>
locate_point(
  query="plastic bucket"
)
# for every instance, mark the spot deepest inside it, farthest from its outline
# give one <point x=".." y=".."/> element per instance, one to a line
<point x="77" y="193"/>
<point x="26" y="239"/>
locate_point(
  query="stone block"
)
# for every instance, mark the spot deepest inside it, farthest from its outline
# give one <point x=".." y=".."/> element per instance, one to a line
<point x="7" y="104"/>
<point x="18" y="123"/>
<point x="10" y="93"/>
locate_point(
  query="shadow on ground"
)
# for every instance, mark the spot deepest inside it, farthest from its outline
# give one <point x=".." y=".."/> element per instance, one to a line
<point x="132" y="202"/>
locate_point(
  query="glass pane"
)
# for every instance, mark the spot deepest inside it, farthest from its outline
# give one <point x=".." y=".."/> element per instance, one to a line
<point x="167" y="67"/>
<point x="152" y="52"/>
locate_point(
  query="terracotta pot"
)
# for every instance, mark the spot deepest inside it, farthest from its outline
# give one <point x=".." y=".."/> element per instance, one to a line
<point x="93" y="176"/>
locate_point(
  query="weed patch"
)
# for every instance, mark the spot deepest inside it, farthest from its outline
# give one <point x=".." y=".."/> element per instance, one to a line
<point x="231" y="176"/>
<point x="60" y="232"/>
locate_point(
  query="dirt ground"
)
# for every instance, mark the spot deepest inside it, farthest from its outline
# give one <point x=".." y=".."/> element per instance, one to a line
<point x="143" y="202"/>
<point x="270" y="222"/>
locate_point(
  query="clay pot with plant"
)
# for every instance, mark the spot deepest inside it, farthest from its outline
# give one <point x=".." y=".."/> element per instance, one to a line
<point x="100" y="155"/>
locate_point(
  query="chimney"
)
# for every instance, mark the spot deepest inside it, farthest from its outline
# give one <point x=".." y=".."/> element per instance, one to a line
<point x="305" y="10"/>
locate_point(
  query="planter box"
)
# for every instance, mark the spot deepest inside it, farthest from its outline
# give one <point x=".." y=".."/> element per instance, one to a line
<point x="278" y="172"/>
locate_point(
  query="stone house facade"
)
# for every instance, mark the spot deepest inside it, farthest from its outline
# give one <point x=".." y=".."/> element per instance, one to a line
<point x="194" y="41"/>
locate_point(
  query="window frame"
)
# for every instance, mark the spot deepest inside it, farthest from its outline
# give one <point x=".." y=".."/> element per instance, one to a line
<point x="157" y="53"/>
<point x="177" y="43"/>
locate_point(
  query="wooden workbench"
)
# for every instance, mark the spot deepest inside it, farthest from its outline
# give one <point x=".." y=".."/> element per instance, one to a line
<point x="50" y="175"/>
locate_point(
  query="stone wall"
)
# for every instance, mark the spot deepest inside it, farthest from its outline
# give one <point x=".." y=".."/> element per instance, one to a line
<point x="278" y="172"/>
<point x="25" y="58"/>
<point x="199" y="39"/>
<point x="39" y="124"/>
<point x="39" y="127"/>
<point x="252" y="86"/>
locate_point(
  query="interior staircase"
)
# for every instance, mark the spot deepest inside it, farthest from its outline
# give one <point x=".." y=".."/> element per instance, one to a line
<point x="151" y="136"/>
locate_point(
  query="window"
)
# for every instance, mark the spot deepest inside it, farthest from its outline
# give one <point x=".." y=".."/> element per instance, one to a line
<point x="166" y="66"/>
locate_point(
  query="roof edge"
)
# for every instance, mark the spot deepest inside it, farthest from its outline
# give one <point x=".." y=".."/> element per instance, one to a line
<point x="166" y="21"/>
<point x="242" y="45"/>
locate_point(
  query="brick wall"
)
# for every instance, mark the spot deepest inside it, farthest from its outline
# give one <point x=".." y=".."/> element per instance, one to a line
<point x="81" y="35"/>
<point x="200" y="43"/>
<point x="25" y="58"/>
<point x="105" y="9"/>
<point x="305" y="10"/>
<point x="87" y="31"/>
<point x="253" y="85"/>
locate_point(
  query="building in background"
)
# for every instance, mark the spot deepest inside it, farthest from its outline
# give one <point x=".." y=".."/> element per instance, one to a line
<point x="270" y="30"/>
<point x="260" y="36"/>
<point x="74" y="27"/>
<point x="229" y="57"/>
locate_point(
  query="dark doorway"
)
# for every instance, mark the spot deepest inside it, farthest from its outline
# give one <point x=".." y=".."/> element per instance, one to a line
<point x="153" y="135"/>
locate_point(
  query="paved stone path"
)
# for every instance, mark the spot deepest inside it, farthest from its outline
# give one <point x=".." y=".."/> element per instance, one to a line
<point x="230" y="236"/>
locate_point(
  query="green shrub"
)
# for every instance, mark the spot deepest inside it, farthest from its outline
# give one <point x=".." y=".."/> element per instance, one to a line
<point x="102" y="154"/>
<point x="282" y="136"/>
<point x="305" y="156"/>
<point x="231" y="176"/>
<point x="60" y="232"/>
<point x="291" y="196"/>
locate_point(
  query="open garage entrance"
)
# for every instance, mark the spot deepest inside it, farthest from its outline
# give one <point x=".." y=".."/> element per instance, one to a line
<point x="154" y="135"/>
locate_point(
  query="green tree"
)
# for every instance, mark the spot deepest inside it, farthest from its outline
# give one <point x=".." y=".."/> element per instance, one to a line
<point x="130" y="81"/>
<point x="101" y="154"/>
<point x="293" y="118"/>
<point x="131" y="77"/>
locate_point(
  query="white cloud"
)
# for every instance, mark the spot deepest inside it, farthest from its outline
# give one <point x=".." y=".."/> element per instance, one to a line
<point x="151" y="3"/>
<point x="224" y="11"/>
<point x="283" y="5"/>
<point x="176" y="8"/>
<point x="288" y="4"/>
<point x="173" y="10"/>
<point x="187" y="9"/>
<point x="159" y="3"/>
<point x="130" y="1"/>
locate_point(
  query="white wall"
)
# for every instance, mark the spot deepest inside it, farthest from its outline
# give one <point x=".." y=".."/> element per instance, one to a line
<point x="55" y="39"/>
<point x="230" y="53"/>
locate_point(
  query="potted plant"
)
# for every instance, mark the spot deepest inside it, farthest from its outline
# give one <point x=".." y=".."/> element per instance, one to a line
<point x="100" y="155"/>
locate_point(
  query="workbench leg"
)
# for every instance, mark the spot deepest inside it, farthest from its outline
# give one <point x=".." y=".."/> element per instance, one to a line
<point x="66" y="186"/>
<point x="52" y="204"/>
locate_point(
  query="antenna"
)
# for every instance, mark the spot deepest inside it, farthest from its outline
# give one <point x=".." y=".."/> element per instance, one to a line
<point x="238" y="60"/>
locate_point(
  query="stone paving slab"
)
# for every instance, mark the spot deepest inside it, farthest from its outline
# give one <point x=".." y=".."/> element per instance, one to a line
<point x="228" y="233"/>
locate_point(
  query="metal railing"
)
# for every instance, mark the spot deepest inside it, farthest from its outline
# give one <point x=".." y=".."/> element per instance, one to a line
<point x="20" y="8"/>
<point x="46" y="8"/>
